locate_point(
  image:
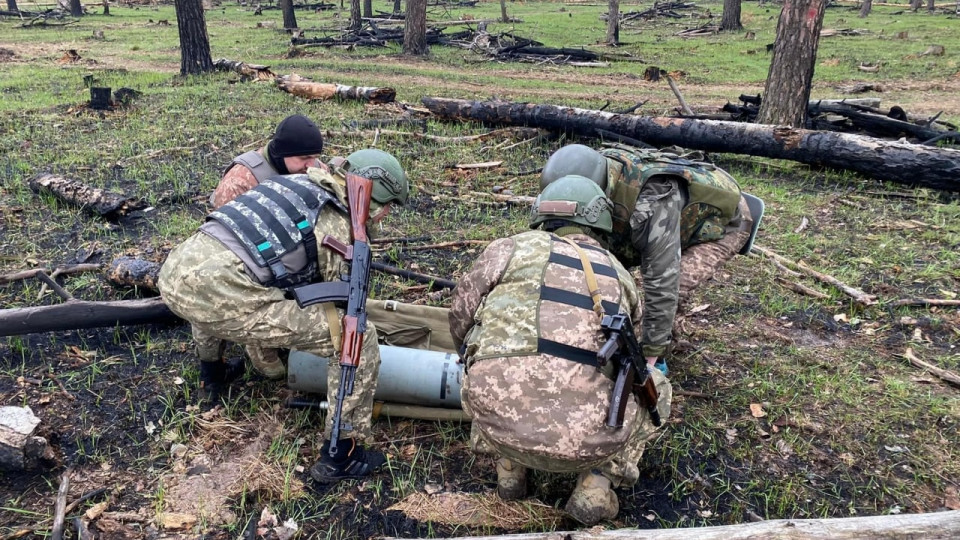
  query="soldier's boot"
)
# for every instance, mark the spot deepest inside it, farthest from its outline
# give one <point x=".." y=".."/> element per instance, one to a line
<point x="216" y="376"/>
<point x="267" y="361"/>
<point x="593" y="500"/>
<point x="511" y="480"/>
<point x="352" y="460"/>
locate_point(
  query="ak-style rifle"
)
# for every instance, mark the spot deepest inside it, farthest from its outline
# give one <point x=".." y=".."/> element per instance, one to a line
<point x="359" y="191"/>
<point x="622" y="344"/>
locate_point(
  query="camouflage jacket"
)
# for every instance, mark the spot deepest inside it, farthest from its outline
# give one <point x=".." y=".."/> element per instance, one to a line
<point x="662" y="204"/>
<point x="237" y="179"/>
<point x="203" y="281"/>
<point x="501" y="307"/>
<point x="531" y="385"/>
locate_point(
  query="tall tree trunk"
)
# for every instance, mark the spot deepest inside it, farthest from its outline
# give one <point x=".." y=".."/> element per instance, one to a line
<point x="106" y="7"/>
<point x="865" y="8"/>
<point x="368" y="8"/>
<point x="355" y="21"/>
<point x="396" y="6"/>
<point x="915" y="4"/>
<point x="289" y="17"/>
<point x="194" y="43"/>
<point x="12" y="5"/>
<point x="75" y="8"/>
<point x="931" y="6"/>
<point x="731" y="16"/>
<point x="787" y="91"/>
<point x="503" y="11"/>
<point x="613" y="22"/>
<point x="415" y="28"/>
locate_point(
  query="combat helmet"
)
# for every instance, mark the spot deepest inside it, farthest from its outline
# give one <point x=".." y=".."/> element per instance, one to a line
<point x="389" y="181"/>
<point x="576" y="199"/>
<point x="575" y="159"/>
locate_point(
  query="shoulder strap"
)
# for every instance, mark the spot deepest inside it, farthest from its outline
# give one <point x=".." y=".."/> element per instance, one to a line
<point x="592" y="286"/>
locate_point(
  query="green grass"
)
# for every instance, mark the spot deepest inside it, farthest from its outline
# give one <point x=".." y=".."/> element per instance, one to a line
<point x="836" y="392"/>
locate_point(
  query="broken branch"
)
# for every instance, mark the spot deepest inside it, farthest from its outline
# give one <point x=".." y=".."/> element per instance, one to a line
<point x="944" y="374"/>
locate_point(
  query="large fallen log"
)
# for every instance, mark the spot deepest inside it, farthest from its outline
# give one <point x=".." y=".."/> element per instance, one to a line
<point x="104" y="203"/>
<point x="298" y="86"/>
<point x="904" y="163"/>
<point x="933" y="526"/>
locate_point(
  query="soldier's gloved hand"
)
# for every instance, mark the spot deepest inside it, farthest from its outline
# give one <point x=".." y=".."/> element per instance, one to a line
<point x="215" y="377"/>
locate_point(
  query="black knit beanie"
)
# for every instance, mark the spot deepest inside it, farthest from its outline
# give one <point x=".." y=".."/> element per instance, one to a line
<point x="296" y="135"/>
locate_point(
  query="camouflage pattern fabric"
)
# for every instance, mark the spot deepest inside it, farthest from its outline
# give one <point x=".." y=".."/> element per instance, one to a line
<point x="203" y="282"/>
<point x="538" y="409"/>
<point x="701" y="261"/>
<point x="657" y="231"/>
<point x="235" y="181"/>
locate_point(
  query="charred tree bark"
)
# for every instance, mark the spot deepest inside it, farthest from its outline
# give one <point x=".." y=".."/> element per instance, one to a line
<point x="94" y="200"/>
<point x="368" y="8"/>
<point x="730" y="22"/>
<point x="79" y="314"/>
<point x="865" y="8"/>
<point x="415" y="29"/>
<point x="194" y="43"/>
<point x="787" y="91"/>
<point x="613" y="23"/>
<point x="396" y="6"/>
<point x="12" y="5"/>
<point x="931" y="6"/>
<point x="75" y="8"/>
<point x="503" y="11"/>
<point x="355" y="22"/>
<point x="915" y="4"/>
<point x="885" y="160"/>
<point x="289" y="17"/>
<point x="133" y="272"/>
<point x="246" y="71"/>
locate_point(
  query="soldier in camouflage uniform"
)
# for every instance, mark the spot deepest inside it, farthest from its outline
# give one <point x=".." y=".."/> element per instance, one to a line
<point x="232" y="279"/>
<point x="527" y="318"/>
<point x="677" y="220"/>
<point x="295" y="146"/>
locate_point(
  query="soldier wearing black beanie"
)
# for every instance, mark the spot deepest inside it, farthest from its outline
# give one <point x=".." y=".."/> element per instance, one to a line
<point x="296" y="135"/>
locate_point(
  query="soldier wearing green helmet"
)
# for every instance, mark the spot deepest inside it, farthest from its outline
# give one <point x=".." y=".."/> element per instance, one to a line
<point x="526" y="317"/>
<point x="676" y="219"/>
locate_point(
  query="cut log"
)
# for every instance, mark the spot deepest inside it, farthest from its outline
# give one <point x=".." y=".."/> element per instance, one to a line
<point x="133" y="272"/>
<point x="884" y="160"/>
<point x="933" y="526"/>
<point x="315" y="90"/>
<point x="246" y="71"/>
<point x="78" y="314"/>
<point x="104" y="203"/>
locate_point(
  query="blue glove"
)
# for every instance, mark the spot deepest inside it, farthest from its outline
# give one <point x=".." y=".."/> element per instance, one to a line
<point x="661" y="364"/>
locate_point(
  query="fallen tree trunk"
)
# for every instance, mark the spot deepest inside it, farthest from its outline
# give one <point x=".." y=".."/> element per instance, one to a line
<point x="904" y="163"/>
<point x="104" y="203"/>
<point x="79" y="314"/>
<point x="314" y="90"/>
<point x="933" y="526"/>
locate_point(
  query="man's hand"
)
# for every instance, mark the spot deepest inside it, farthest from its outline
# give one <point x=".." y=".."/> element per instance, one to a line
<point x="651" y="360"/>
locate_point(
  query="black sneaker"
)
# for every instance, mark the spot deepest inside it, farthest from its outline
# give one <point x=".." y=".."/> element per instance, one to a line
<point x="360" y="463"/>
<point x="215" y="377"/>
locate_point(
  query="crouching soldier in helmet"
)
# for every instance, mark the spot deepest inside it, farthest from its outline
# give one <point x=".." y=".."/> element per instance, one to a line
<point x="232" y="279"/>
<point x="663" y="206"/>
<point x="528" y="317"/>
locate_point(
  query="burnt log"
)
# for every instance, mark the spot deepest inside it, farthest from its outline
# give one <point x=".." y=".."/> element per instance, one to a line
<point x="883" y="125"/>
<point x="893" y="161"/>
<point x="95" y="200"/>
<point x="133" y="272"/>
<point x="79" y="314"/>
<point x="247" y="71"/>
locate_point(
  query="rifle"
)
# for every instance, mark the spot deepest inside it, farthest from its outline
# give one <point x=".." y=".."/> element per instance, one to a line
<point x="359" y="190"/>
<point x="622" y="344"/>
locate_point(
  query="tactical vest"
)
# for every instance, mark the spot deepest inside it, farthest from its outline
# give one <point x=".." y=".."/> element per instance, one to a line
<point x="713" y="196"/>
<point x="254" y="160"/>
<point x="541" y="307"/>
<point x="270" y="228"/>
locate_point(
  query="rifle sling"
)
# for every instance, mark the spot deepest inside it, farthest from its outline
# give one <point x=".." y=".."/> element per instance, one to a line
<point x="592" y="287"/>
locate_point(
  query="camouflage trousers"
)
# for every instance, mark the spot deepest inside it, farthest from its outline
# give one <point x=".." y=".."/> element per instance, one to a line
<point x="698" y="263"/>
<point x="621" y="468"/>
<point x="211" y="348"/>
<point x="284" y="324"/>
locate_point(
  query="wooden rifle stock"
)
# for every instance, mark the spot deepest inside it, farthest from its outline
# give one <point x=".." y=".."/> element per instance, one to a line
<point x="359" y="192"/>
